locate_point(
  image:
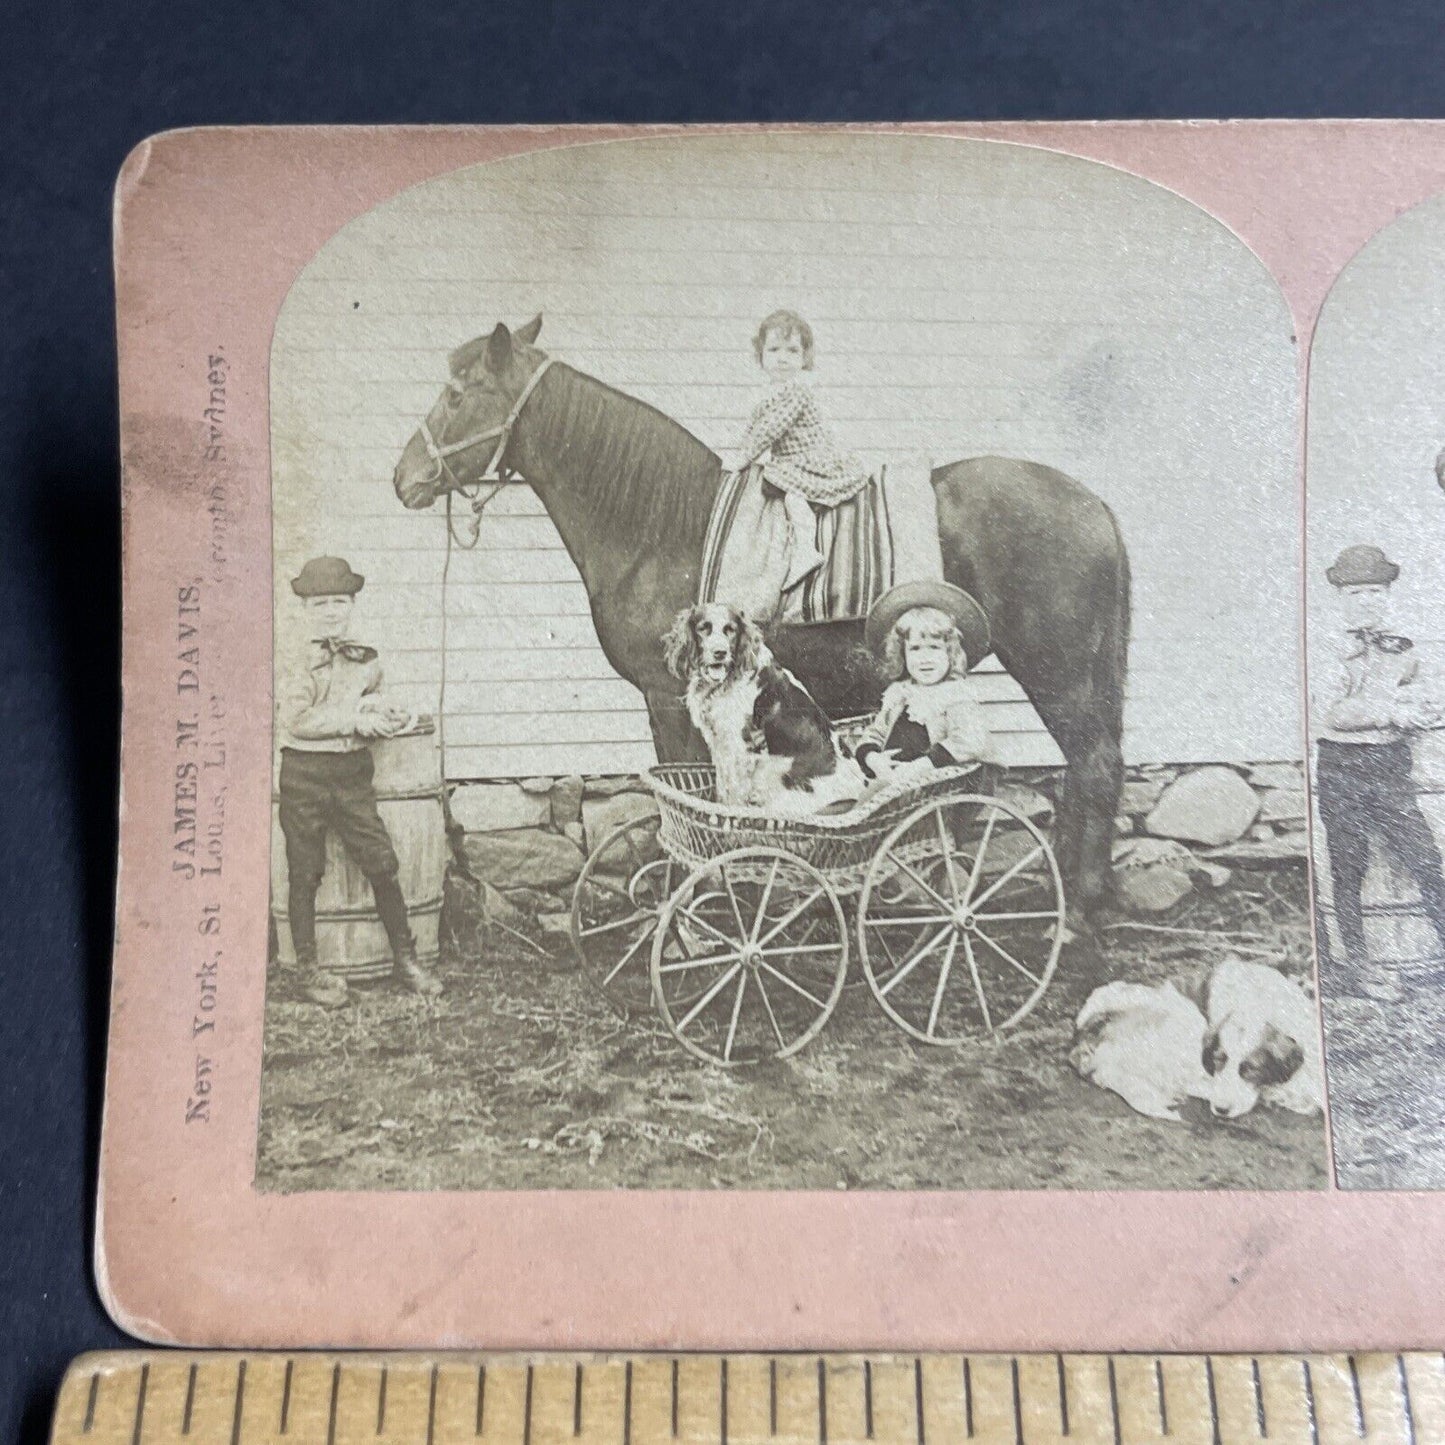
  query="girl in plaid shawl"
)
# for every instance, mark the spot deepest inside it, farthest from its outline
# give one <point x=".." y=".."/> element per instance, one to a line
<point x="788" y="427"/>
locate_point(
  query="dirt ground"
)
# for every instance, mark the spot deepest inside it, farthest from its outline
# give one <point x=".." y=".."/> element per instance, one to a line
<point x="520" y="1076"/>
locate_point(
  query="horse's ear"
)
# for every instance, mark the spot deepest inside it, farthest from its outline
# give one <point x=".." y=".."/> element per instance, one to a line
<point x="528" y="334"/>
<point x="499" y="348"/>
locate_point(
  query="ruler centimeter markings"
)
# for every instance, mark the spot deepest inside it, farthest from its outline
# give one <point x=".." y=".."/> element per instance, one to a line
<point x="187" y="1398"/>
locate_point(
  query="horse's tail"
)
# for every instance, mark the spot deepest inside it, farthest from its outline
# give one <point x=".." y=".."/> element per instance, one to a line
<point x="1111" y="661"/>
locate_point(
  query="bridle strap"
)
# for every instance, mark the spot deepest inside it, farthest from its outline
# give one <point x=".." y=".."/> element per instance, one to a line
<point x="439" y="453"/>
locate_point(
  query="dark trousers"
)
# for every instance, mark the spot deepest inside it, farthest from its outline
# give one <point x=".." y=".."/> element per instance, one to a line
<point x="322" y="792"/>
<point x="1366" y="792"/>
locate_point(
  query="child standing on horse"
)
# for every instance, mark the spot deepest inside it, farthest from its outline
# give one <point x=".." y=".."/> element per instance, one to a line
<point x="803" y="461"/>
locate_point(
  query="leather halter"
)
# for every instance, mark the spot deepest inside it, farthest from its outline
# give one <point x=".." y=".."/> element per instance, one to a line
<point x="439" y="452"/>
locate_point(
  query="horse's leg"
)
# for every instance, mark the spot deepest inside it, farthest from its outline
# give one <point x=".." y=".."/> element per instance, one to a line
<point x="1088" y="797"/>
<point x="673" y="735"/>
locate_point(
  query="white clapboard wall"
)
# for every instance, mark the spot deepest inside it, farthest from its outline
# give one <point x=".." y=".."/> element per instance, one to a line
<point x="968" y="297"/>
<point x="1376" y="426"/>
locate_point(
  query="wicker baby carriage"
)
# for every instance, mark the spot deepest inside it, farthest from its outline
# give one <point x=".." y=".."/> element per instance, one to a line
<point x="736" y="925"/>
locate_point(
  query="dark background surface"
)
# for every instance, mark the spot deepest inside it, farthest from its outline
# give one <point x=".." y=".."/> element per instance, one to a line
<point x="82" y="84"/>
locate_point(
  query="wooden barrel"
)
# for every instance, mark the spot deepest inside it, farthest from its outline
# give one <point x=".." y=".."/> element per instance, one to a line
<point x="1397" y="932"/>
<point x="349" y="937"/>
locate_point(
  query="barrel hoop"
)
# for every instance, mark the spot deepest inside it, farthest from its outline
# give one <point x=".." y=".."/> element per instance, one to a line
<point x="429" y="795"/>
<point x="337" y="915"/>
<point x="1403" y="909"/>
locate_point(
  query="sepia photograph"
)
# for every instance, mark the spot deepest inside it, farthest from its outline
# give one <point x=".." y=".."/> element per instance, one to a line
<point x="1376" y="523"/>
<point x="787" y="655"/>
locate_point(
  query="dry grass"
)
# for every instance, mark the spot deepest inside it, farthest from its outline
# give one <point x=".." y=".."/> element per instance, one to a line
<point x="520" y="1077"/>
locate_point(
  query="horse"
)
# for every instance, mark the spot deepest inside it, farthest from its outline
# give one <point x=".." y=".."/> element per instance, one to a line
<point x="631" y="492"/>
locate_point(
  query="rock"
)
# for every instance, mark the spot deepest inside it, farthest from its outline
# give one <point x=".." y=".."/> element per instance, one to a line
<point x="1292" y="825"/>
<point x="1147" y="852"/>
<point x="1030" y="803"/>
<point x="1278" y="848"/>
<point x="1215" y="875"/>
<point x="496" y="807"/>
<point x="601" y="815"/>
<point x="1211" y="805"/>
<point x="566" y="801"/>
<point x="555" y="927"/>
<point x="530" y="901"/>
<point x="1152" y="890"/>
<point x="574" y="832"/>
<point x="1140" y="795"/>
<point x="609" y="787"/>
<point x="1260" y="833"/>
<point x="1282" y="805"/>
<point x="497" y="908"/>
<point x="1277" y="775"/>
<point x="523" y="857"/>
<point x="1123" y="825"/>
<point x="535" y="785"/>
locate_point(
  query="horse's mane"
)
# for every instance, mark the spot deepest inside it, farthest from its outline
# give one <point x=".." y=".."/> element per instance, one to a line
<point x="644" y="472"/>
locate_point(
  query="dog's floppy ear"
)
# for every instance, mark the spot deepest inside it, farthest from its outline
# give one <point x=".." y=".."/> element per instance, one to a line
<point x="1276" y="1060"/>
<point x="750" y="644"/>
<point x="679" y="644"/>
<point x="1211" y="1055"/>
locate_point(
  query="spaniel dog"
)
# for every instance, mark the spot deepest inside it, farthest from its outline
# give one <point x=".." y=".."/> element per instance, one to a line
<point x="771" y="744"/>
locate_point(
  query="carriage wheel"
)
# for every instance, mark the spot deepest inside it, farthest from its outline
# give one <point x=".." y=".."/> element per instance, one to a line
<point x="961" y="919"/>
<point x="766" y="967"/>
<point x="619" y="896"/>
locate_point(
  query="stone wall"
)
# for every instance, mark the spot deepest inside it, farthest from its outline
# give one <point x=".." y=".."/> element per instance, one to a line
<point x="1178" y="828"/>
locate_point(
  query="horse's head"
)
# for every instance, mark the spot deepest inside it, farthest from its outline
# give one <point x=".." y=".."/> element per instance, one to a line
<point x="461" y="433"/>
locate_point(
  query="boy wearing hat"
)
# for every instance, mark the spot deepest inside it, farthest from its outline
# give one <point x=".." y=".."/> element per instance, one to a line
<point x="1362" y="718"/>
<point x="330" y="710"/>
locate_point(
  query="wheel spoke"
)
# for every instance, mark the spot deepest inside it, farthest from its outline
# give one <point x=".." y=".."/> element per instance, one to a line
<point x="947" y="847"/>
<point x="597" y="928"/>
<point x="777" y="928"/>
<point x="1003" y="878"/>
<point x="702" y="922"/>
<point x="1007" y="957"/>
<point x="977" y="982"/>
<point x="910" y="920"/>
<point x="626" y="957"/>
<point x="760" y="916"/>
<point x="787" y="950"/>
<point x="733" y="899"/>
<point x="708" y="997"/>
<point x="733" y="1023"/>
<point x="712" y="960"/>
<point x="978" y="856"/>
<point x="772" y="1017"/>
<point x="919" y="879"/>
<point x="913" y="962"/>
<point x="942" y="984"/>
<point x="796" y="987"/>
<point x="1017" y="917"/>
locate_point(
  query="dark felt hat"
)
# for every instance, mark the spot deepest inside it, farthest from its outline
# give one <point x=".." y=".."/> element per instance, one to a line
<point x="1362" y="566"/>
<point x="327" y="577"/>
<point x="970" y="619"/>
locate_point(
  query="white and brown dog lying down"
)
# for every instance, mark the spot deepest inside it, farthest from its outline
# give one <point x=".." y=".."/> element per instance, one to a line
<point x="1256" y="1040"/>
<point x="771" y="744"/>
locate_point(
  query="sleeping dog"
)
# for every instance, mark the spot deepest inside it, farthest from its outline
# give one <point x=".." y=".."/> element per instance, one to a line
<point x="1256" y="1040"/>
<point x="771" y="744"/>
<point x="1262" y="1043"/>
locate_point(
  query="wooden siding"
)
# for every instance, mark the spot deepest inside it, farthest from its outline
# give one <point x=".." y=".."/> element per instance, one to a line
<point x="968" y="297"/>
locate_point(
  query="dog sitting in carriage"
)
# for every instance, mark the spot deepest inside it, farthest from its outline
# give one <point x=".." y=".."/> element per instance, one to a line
<point x="771" y="744"/>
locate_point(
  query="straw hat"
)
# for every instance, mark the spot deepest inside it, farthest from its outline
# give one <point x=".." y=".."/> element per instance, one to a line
<point x="970" y="619"/>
